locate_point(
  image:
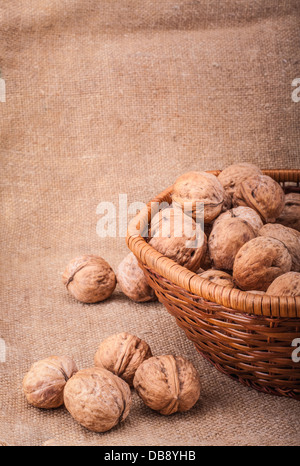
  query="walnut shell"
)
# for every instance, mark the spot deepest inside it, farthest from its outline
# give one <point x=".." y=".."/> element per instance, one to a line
<point x="44" y="384"/>
<point x="97" y="399"/>
<point x="234" y="174"/>
<point x="177" y="236"/>
<point x="244" y="213"/>
<point x="193" y="189"/>
<point x="259" y="262"/>
<point x="290" y="216"/>
<point x="289" y="237"/>
<point x="122" y="354"/>
<point x="227" y="237"/>
<point x="167" y="384"/>
<point x="287" y="284"/>
<point x="262" y="194"/>
<point x="219" y="277"/>
<point x="132" y="280"/>
<point x="89" y="279"/>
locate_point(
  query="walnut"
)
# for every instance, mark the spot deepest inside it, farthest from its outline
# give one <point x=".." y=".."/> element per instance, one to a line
<point x="262" y="194"/>
<point x="97" y="399"/>
<point x="132" y="280"/>
<point x="89" y="279"/>
<point x="290" y="216"/>
<point x="44" y="384"/>
<point x="287" y="284"/>
<point x="177" y="236"/>
<point x="167" y="384"/>
<point x="122" y="354"/>
<point x="193" y="189"/>
<point x="289" y="237"/>
<point x="227" y="237"/>
<point x="231" y="176"/>
<point x="219" y="277"/>
<point x="244" y="213"/>
<point x="259" y="262"/>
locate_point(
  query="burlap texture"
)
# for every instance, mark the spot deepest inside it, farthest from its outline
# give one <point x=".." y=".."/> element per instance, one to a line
<point x="107" y="97"/>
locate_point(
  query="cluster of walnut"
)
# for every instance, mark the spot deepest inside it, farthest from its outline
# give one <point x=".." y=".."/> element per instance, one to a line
<point x="251" y="238"/>
<point x="251" y="233"/>
<point x="99" y="397"/>
<point x="90" y="279"/>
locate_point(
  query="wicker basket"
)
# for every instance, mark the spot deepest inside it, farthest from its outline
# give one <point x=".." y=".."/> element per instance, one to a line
<point x="246" y="336"/>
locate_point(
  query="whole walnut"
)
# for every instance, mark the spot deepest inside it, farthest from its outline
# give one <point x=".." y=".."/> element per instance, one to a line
<point x="218" y="277"/>
<point x="290" y="216"/>
<point x="289" y="237"/>
<point x="89" y="279"/>
<point x="244" y="213"/>
<point x="97" y="399"/>
<point x="122" y="354"/>
<point x="193" y="190"/>
<point x="234" y="174"/>
<point x="262" y="194"/>
<point x="177" y="236"/>
<point x="227" y="237"/>
<point x="167" y="384"/>
<point x="287" y="284"/>
<point x="259" y="262"/>
<point x="132" y="280"/>
<point x="44" y="384"/>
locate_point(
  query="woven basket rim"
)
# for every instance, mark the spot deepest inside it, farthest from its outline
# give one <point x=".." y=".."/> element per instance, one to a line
<point x="242" y="301"/>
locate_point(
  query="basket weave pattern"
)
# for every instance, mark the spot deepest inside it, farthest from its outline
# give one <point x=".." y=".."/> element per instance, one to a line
<point x="245" y="336"/>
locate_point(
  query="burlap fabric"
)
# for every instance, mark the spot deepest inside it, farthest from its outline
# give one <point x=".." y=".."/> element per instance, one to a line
<point x="108" y="97"/>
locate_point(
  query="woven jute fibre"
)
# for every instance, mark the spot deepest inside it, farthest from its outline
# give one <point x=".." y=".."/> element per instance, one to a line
<point x="106" y="98"/>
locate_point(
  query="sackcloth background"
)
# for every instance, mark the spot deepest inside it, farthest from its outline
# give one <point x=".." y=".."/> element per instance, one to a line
<point x="106" y="97"/>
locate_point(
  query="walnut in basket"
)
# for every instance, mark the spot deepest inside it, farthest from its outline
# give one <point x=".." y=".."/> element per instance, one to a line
<point x="167" y="384"/>
<point x="219" y="277"/>
<point x="44" y="384"/>
<point x="97" y="399"/>
<point x="89" y="279"/>
<point x="287" y="284"/>
<point x="233" y="175"/>
<point x="132" y="280"/>
<point x="177" y="236"/>
<point x="289" y="237"/>
<point x="259" y="262"/>
<point x="194" y="189"/>
<point x="243" y="213"/>
<point x="227" y="237"/>
<point x="122" y="354"/>
<point x="290" y="216"/>
<point x="261" y="193"/>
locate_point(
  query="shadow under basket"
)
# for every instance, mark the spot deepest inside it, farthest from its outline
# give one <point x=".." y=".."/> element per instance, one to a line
<point x="249" y="337"/>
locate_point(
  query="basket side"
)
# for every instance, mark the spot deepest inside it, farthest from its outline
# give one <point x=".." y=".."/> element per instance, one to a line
<point x="255" y="351"/>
